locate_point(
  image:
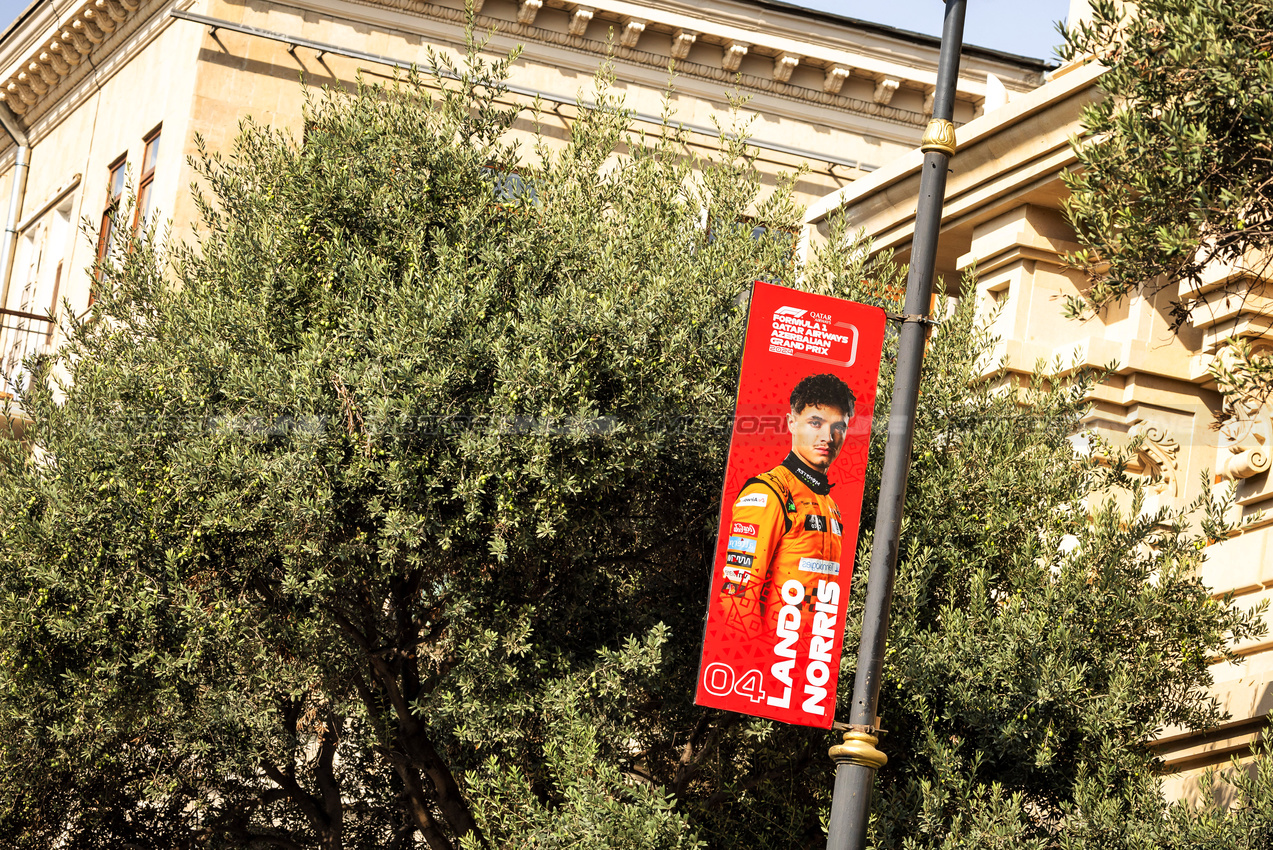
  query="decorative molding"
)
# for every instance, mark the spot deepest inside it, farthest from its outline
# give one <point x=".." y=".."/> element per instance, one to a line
<point x="113" y="9"/>
<point x="1242" y="400"/>
<point x="885" y="89"/>
<point x="835" y="77"/>
<point x="1241" y="462"/>
<point x="682" y="41"/>
<point x="632" y="29"/>
<point x="73" y="41"/>
<point x="102" y="23"/>
<point x="55" y="60"/>
<point x="527" y="10"/>
<point x="579" y="20"/>
<point x="733" y="56"/>
<point x="148" y="23"/>
<point x="78" y="37"/>
<point x="784" y="64"/>
<point x="1157" y="457"/>
<point x="1245" y="427"/>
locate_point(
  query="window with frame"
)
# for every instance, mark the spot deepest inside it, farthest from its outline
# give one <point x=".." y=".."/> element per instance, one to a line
<point x="113" y="197"/>
<point x="142" y="215"/>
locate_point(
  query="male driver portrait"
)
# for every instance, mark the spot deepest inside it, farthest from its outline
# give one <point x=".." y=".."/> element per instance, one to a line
<point x="784" y="522"/>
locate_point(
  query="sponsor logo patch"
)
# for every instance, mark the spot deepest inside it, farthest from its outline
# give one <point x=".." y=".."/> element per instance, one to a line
<point x="804" y="476"/>
<point x="744" y="528"/>
<point x="817" y="565"/>
<point x="742" y="544"/>
<point x="756" y="500"/>
<point x="813" y="522"/>
<point x="736" y="575"/>
<point x="740" y="560"/>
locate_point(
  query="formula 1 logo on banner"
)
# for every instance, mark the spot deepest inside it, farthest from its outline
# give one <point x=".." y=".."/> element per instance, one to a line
<point x="785" y="543"/>
<point x="810" y="335"/>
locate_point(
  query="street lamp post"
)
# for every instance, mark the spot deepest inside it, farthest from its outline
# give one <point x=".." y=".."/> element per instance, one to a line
<point x="858" y="758"/>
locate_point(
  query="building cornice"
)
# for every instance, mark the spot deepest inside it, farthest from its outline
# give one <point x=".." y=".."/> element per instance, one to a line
<point x="45" y="55"/>
<point x="663" y="28"/>
<point x="66" y="87"/>
<point x="997" y="150"/>
<point x="71" y="44"/>
<point x="643" y="52"/>
<point x="46" y="52"/>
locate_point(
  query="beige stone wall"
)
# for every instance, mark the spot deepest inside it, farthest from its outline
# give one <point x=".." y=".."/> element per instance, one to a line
<point x="832" y="97"/>
<point x="106" y="114"/>
<point x="869" y="119"/>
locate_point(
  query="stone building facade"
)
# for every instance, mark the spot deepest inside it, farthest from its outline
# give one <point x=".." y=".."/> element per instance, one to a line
<point x="101" y="98"/>
<point x="1003" y="219"/>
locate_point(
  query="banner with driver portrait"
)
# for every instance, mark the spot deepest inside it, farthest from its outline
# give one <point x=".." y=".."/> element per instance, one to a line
<point x="789" y="512"/>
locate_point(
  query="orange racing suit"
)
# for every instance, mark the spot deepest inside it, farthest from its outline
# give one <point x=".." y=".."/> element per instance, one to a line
<point x="784" y="525"/>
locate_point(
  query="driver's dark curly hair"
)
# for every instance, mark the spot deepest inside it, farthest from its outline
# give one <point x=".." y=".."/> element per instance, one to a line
<point x="823" y="389"/>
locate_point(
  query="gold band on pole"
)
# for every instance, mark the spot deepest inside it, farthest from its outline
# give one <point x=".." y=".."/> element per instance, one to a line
<point x="939" y="136"/>
<point x="859" y="748"/>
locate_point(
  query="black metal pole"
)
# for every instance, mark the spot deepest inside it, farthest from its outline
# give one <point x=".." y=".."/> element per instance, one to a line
<point x="857" y="758"/>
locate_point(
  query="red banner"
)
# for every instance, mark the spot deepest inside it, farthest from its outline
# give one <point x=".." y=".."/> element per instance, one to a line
<point x="789" y="513"/>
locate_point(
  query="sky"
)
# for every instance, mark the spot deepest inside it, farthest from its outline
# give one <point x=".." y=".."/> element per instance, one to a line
<point x="9" y="11"/>
<point x="1024" y="27"/>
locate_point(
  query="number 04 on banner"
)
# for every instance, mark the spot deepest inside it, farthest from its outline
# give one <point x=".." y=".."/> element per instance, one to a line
<point x="789" y="511"/>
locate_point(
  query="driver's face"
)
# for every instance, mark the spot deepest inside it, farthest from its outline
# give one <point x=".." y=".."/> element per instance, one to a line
<point x="817" y="434"/>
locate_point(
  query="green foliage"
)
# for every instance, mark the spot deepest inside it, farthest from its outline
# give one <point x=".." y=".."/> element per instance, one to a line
<point x="1046" y="622"/>
<point x="377" y="526"/>
<point x="1174" y="167"/>
<point x="1237" y="814"/>
<point x="389" y="526"/>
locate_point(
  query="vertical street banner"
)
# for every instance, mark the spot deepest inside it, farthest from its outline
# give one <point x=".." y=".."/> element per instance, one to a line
<point x="790" y="508"/>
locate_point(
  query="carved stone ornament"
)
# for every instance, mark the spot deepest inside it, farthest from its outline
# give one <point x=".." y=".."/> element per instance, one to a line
<point x="682" y="41"/>
<point x="579" y="20"/>
<point x="632" y="32"/>
<point x="884" y="90"/>
<point x="55" y="61"/>
<point x="82" y="32"/>
<point x="784" y="65"/>
<point x="733" y="55"/>
<point x="1242" y="407"/>
<point x="835" y="77"/>
<point x="1245" y="426"/>
<point x="1157" y="458"/>
<point x="1238" y="462"/>
<point x="527" y="10"/>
